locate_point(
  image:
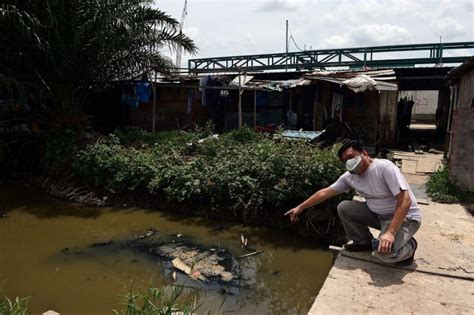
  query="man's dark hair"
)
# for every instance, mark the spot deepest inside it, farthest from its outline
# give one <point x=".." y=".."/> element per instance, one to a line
<point x="356" y="145"/>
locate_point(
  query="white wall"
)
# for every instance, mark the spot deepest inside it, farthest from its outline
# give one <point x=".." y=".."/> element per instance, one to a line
<point x="426" y="102"/>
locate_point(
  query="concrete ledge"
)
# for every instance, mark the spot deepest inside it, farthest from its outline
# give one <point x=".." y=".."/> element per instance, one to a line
<point x="359" y="287"/>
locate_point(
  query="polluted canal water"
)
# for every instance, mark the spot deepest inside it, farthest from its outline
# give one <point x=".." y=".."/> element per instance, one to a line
<point x="81" y="260"/>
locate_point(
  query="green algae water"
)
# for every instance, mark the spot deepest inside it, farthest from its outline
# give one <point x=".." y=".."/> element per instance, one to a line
<point x="45" y="254"/>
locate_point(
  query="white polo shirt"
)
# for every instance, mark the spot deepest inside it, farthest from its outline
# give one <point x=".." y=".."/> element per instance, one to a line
<point x="379" y="185"/>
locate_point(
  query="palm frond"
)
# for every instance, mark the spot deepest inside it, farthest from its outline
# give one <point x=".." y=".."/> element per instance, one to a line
<point x="60" y="46"/>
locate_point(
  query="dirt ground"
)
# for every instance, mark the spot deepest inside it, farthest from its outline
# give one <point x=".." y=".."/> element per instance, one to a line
<point x="441" y="281"/>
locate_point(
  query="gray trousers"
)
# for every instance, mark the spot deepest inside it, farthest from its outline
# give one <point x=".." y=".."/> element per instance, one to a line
<point x="357" y="218"/>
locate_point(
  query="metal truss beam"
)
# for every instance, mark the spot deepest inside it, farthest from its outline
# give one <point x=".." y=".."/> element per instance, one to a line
<point x="375" y="57"/>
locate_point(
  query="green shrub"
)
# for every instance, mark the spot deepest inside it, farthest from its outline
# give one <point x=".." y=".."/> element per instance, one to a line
<point x="440" y="189"/>
<point x="245" y="135"/>
<point x="19" y="306"/>
<point x="239" y="170"/>
<point x="108" y="164"/>
<point x="139" y="138"/>
<point x="165" y="301"/>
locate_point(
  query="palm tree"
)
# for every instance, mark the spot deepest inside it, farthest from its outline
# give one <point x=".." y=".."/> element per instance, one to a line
<point x="56" y="50"/>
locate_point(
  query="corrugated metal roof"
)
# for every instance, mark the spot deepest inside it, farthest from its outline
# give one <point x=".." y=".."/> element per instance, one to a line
<point x="248" y="82"/>
<point x="459" y="71"/>
<point x="278" y="85"/>
<point x="344" y="77"/>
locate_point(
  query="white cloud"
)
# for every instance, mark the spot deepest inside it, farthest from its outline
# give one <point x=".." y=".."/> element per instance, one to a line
<point x="242" y="46"/>
<point x="458" y="53"/>
<point x="192" y="31"/>
<point x="370" y="34"/>
<point x="338" y="41"/>
<point x="358" y="11"/>
<point x="281" y="5"/>
<point x="381" y="34"/>
<point x="448" y="28"/>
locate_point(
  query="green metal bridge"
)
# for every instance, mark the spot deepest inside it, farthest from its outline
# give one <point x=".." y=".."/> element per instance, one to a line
<point x="374" y="57"/>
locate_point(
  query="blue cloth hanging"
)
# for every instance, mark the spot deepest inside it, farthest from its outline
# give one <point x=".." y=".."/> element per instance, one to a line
<point x="143" y="91"/>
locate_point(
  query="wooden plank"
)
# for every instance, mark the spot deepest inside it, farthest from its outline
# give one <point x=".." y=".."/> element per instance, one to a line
<point x="181" y="266"/>
<point x="409" y="166"/>
<point x="251" y="254"/>
<point x="427" y="166"/>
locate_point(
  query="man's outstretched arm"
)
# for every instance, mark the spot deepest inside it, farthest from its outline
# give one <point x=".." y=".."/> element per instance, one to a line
<point x="316" y="198"/>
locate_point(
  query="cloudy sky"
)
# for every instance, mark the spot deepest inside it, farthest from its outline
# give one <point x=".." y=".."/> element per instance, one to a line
<point x="231" y="27"/>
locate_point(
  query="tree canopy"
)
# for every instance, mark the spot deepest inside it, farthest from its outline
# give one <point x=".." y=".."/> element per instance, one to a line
<point x="55" y="50"/>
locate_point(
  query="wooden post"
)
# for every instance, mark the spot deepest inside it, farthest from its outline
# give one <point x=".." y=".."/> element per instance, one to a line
<point x="291" y="94"/>
<point x="240" y="103"/>
<point x="255" y="109"/>
<point x="314" y="107"/>
<point x="153" y="128"/>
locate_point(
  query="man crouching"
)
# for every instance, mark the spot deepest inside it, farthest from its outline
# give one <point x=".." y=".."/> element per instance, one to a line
<point x="390" y="205"/>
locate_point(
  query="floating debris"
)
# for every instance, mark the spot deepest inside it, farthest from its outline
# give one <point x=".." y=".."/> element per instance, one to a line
<point x="243" y="240"/>
<point x="195" y="275"/>
<point x="251" y="254"/>
<point x="181" y="266"/>
<point x="67" y="191"/>
<point x="198" y="262"/>
<point x="101" y="244"/>
<point x="149" y="233"/>
<point x="208" y="264"/>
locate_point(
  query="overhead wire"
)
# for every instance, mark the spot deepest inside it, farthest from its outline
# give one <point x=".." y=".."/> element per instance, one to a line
<point x="292" y="38"/>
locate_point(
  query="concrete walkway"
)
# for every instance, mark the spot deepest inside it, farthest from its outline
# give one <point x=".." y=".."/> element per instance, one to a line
<point x="440" y="282"/>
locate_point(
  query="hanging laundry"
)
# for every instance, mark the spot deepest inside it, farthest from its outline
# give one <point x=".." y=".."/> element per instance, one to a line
<point x="202" y="88"/>
<point x="189" y="104"/>
<point x="212" y="95"/>
<point x="336" y="106"/>
<point x="292" y="118"/>
<point x="143" y="91"/>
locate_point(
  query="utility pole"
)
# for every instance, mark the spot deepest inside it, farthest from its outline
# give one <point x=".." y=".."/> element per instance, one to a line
<point x="178" y="49"/>
<point x="286" y="45"/>
<point x="241" y="91"/>
<point x="153" y="119"/>
<point x="440" y="62"/>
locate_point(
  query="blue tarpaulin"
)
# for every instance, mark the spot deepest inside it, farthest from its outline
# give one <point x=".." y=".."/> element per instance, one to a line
<point x="306" y="135"/>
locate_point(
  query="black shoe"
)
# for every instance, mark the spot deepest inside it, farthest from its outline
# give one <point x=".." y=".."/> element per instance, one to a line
<point x="358" y="247"/>
<point x="409" y="260"/>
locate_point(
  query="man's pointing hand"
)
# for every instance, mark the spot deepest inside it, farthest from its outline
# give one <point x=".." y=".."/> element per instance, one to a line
<point x="293" y="213"/>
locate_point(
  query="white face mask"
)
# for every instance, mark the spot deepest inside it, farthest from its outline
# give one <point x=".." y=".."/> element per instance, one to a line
<point x="353" y="165"/>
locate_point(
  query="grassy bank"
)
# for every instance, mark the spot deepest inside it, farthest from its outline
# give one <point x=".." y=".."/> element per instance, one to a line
<point x="240" y="175"/>
<point x="442" y="190"/>
<point x="18" y="306"/>
<point x="165" y="301"/>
